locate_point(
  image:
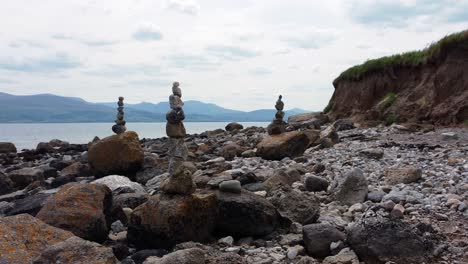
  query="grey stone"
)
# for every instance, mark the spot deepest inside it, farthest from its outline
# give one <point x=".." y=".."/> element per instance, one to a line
<point x="318" y="237"/>
<point x="232" y="186"/>
<point x="350" y="187"/>
<point x="316" y="184"/>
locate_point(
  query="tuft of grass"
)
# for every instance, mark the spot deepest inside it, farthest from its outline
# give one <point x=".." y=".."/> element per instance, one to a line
<point x="327" y="108"/>
<point x="408" y="59"/>
<point x="390" y="119"/>
<point x="466" y="122"/>
<point x="388" y="100"/>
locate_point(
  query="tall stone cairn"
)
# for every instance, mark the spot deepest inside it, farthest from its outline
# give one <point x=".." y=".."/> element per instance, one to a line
<point x="119" y="126"/>
<point x="180" y="178"/>
<point x="277" y="126"/>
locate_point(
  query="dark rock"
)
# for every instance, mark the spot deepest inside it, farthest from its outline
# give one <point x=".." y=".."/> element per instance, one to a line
<point x="316" y="184"/>
<point x="234" y="126"/>
<point x="129" y="200"/>
<point x="165" y="220"/>
<point x="277" y="147"/>
<point x="350" y="187"/>
<point x="230" y="151"/>
<point x="7" y="147"/>
<point x="120" y="250"/>
<point x="60" y="164"/>
<point x="318" y="237"/>
<point x="29" y="205"/>
<point x="76" y="169"/>
<point x="255" y="187"/>
<point x="380" y="240"/>
<point x="6" y="185"/>
<point x="44" y="147"/>
<point x="245" y="214"/>
<point x="232" y="186"/>
<point x="246" y="178"/>
<point x="23" y="177"/>
<point x="62" y="180"/>
<point x="175" y="130"/>
<point x="48" y="172"/>
<point x="140" y="256"/>
<point x="281" y="179"/>
<point x="297" y="206"/>
<point x="343" y="124"/>
<point x="372" y="153"/>
<point x="375" y="197"/>
<point x="80" y="208"/>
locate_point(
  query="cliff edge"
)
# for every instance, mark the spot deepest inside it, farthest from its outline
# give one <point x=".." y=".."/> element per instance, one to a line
<point x="429" y="85"/>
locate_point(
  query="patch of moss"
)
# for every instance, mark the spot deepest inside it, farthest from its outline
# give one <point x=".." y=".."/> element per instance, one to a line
<point x="407" y="59"/>
<point x="327" y="108"/>
<point x="390" y="119"/>
<point x="387" y="101"/>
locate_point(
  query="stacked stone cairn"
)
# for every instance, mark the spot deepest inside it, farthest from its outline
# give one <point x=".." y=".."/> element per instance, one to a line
<point x="277" y="126"/>
<point x="119" y="126"/>
<point x="180" y="178"/>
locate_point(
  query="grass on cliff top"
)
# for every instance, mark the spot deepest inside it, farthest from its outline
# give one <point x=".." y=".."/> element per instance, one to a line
<point x="407" y="59"/>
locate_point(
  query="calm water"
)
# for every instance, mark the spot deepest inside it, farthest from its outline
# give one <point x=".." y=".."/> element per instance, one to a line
<point x="26" y="136"/>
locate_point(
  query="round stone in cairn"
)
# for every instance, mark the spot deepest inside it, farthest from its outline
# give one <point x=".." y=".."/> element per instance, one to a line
<point x="175" y="116"/>
<point x="179" y="183"/>
<point x="177" y="148"/>
<point x="176" y="90"/>
<point x="175" y="102"/>
<point x="119" y="126"/>
<point x="175" y="130"/>
<point x="279" y="115"/>
<point x="279" y="104"/>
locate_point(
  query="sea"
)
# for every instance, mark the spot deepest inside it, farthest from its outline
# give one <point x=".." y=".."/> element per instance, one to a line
<point x="27" y="136"/>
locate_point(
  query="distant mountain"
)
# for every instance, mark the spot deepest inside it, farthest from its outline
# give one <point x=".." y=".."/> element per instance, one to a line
<point x="43" y="108"/>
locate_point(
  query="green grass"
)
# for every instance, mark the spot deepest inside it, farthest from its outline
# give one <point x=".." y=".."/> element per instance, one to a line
<point x="391" y="119"/>
<point x="387" y="101"/>
<point x="407" y="59"/>
<point x="466" y="122"/>
<point x="327" y="108"/>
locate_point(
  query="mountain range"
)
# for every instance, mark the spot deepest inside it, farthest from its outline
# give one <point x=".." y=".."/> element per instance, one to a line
<point x="48" y="108"/>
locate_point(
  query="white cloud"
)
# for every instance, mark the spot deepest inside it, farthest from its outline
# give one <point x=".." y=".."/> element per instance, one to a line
<point x="190" y="7"/>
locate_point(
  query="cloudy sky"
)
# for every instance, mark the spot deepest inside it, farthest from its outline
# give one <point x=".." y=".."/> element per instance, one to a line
<point x="239" y="54"/>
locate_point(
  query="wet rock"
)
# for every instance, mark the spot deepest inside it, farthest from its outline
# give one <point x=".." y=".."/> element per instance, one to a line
<point x="245" y="214"/>
<point x="318" y="237"/>
<point x="297" y="206"/>
<point x="184" y="256"/>
<point x="116" y="155"/>
<point x="117" y="182"/>
<point x="277" y="147"/>
<point x="165" y="220"/>
<point x="232" y="186"/>
<point x="350" y="187"/>
<point x="80" y="208"/>
<point x="233" y="126"/>
<point x="379" y="240"/>
<point x="25" y="237"/>
<point x="23" y="177"/>
<point x="402" y="175"/>
<point x="316" y="184"/>
<point x="76" y="250"/>
<point x="7" y="148"/>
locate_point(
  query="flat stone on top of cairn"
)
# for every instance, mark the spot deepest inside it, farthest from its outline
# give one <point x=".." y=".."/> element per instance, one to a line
<point x="277" y="126"/>
<point x="119" y="126"/>
<point x="180" y="179"/>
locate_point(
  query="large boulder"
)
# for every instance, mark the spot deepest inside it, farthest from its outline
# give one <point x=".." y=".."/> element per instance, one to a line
<point x="234" y="126"/>
<point x="245" y="214"/>
<point x="380" y="240"/>
<point x="7" y="148"/>
<point x="318" y="237"/>
<point x="23" y="177"/>
<point x="120" y="184"/>
<point x="308" y="120"/>
<point x="297" y="206"/>
<point x="165" y="220"/>
<point x="24" y="237"/>
<point x="76" y="250"/>
<point x="118" y="154"/>
<point x="6" y="185"/>
<point x="350" y="187"/>
<point x="80" y="208"/>
<point x="277" y="147"/>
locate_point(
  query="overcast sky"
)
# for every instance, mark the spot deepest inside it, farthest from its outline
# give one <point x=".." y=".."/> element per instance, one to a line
<point x="239" y="54"/>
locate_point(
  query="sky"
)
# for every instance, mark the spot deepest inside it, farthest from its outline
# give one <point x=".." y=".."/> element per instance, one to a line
<point x="240" y="54"/>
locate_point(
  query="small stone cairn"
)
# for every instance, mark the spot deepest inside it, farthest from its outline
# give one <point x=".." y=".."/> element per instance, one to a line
<point x="180" y="178"/>
<point x="277" y="126"/>
<point x="119" y="126"/>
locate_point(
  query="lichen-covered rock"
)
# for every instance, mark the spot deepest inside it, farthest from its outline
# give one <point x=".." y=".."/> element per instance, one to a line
<point x="245" y="214"/>
<point x="165" y="220"/>
<point x="116" y="155"/>
<point x="24" y="237"/>
<point x="76" y="250"/>
<point x="277" y="147"/>
<point x="80" y="208"/>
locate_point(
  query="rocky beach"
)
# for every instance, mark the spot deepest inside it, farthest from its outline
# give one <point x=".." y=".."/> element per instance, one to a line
<point x="321" y="192"/>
